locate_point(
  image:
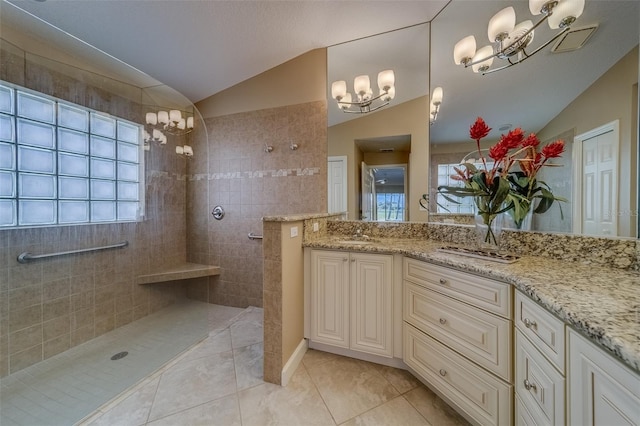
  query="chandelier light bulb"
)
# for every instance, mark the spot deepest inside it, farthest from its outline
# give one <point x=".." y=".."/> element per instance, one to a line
<point x="190" y="123"/>
<point x="484" y="52"/>
<point x="188" y="151"/>
<point x="565" y="13"/>
<point x="522" y="28"/>
<point x="536" y="6"/>
<point x="345" y="101"/>
<point x="151" y="118"/>
<point x="157" y="134"/>
<point x="163" y="117"/>
<point x="464" y="50"/>
<point x="436" y="97"/>
<point x="338" y="89"/>
<point x="501" y="24"/>
<point x="182" y="124"/>
<point x="175" y="116"/>
<point x="361" y="85"/>
<point x="386" y="79"/>
<point x="179" y="150"/>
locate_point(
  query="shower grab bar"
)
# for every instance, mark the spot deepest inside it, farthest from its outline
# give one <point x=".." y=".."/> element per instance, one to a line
<point x="253" y="236"/>
<point x="28" y="257"/>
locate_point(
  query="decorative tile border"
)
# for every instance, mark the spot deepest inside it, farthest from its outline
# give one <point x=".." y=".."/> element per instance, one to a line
<point x="257" y="174"/>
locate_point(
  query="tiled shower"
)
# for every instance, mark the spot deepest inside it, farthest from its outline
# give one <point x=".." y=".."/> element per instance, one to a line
<point x="49" y="306"/>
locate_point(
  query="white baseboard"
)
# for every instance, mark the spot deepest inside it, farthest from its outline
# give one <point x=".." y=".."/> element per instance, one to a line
<point x="293" y="362"/>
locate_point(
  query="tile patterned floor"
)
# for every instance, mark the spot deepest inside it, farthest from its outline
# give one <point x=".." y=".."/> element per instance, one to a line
<point x="64" y="389"/>
<point x="219" y="382"/>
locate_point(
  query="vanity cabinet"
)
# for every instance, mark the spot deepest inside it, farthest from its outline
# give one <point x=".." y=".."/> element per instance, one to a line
<point x="458" y="338"/>
<point x="539" y="365"/>
<point x="351" y="301"/>
<point x="600" y="390"/>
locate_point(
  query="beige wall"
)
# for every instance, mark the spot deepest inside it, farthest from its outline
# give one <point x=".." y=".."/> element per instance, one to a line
<point x="610" y="98"/>
<point x="300" y="80"/>
<point x="409" y="118"/>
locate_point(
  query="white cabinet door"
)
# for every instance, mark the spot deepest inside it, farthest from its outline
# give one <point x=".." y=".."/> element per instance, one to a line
<point x="371" y="303"/>
<point x="330" y="298"/>
<point x="601" y="391"/>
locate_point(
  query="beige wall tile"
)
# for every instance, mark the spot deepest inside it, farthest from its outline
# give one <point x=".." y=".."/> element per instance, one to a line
<point x="24" y="339"/>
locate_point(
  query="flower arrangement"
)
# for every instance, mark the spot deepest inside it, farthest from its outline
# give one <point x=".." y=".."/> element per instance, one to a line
<point x="499" y="189"/>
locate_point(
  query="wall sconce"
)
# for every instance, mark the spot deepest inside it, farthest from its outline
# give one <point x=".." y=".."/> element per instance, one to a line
<point x="434" y="105"/>
<point x="362" y="88"/>
<point x="185" y="150"/>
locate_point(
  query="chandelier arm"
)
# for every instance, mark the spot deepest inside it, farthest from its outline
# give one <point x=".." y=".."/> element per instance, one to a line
<point x="522" y="37"/>
<point x="527" y="56"/>
<point x="364" y="103"/>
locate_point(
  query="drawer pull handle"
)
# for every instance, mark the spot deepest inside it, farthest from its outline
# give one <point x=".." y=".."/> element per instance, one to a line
<point x="344" y="259"/>
<point x="443" y="321"/>
<point x="443" y="281"/>
<point x="528" y="323"/>
<point x="443" y="372"/>
<point x="529" y="385"/>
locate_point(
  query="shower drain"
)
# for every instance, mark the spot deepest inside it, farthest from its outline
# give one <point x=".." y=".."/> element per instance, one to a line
<point x="119" y="355"/>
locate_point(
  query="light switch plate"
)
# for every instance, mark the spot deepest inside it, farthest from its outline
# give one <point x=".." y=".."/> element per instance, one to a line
<point x="316" y="227"/>
<point x="294" y="231"/>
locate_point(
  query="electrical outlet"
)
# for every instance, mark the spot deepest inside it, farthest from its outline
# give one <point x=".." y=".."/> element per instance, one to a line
<point x="316" y="227"/>
<point x="294" y="231"/>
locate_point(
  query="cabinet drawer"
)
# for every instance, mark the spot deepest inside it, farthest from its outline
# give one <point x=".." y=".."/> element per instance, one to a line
<point x="480" y="395"/>
<point x="538" y="384"/>
<point x="545" y="330"/>
<point x="493" y="296"/>
<point x="482" y="337"/>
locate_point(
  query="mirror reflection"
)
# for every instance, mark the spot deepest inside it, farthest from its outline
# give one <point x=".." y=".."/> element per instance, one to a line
<point x="394" y="135"/>
<point x="588" y="97"/>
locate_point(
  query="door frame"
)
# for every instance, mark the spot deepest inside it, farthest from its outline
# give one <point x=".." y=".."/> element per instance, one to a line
<point x="578" y="141"/>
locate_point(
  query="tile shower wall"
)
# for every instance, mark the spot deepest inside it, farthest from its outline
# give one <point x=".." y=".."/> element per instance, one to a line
<point x="51" y="305"/>
<point x="250" y="183"/>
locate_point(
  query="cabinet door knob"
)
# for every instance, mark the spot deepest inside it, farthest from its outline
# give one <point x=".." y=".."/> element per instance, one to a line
<point x="529" y="385"/>
<point x="443" y="321"/>
<point x="529" y="323"/>
<point x="443" y="281"/>
<point x="443" y="372"/>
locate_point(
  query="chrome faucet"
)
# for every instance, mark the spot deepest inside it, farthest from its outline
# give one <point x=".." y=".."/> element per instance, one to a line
<point x="358" y="235"/>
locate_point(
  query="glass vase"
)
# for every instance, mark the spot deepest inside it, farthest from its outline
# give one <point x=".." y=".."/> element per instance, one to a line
<point x="488" y="234"/>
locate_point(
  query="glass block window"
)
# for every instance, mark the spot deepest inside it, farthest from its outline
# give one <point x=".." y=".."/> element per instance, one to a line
<point x="65" y="164"/>
<point x="445" y="171"/>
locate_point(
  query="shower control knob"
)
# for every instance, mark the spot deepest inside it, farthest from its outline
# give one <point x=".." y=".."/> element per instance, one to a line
<point x="218" y="212"/>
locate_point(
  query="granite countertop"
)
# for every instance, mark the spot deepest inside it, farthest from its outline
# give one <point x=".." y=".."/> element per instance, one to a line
<point x="601" y="303"/>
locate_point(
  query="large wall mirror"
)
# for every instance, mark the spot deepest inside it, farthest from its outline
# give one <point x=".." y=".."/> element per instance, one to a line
<point x="386" y="151"/>
<point x="575" y="95"/>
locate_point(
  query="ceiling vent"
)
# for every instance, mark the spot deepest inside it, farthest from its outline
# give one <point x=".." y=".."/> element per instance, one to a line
<point x="386" y="150"/>
<point x="574" y="39"/>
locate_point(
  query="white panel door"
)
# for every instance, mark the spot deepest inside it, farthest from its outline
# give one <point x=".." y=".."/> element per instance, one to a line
<point x="597" y="185"/>
<point x="330" y="297"/>
<point x="371" y="303"/>
<point x="337" y="184"/>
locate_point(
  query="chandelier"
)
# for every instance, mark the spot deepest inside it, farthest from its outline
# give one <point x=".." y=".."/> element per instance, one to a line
<point x="162" y="122"/>
<point x="434" y="105"/>
<point x="509" y="42"/>
<point x="365" y="101"/>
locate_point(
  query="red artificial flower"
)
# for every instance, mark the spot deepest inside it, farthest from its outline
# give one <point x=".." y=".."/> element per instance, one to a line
<point x="531" y="140"/>
<point x="512" y="139"/>
<point x="498" y="151"/>
<point x="554" y="149"/>
<point x="479" y="129"/>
